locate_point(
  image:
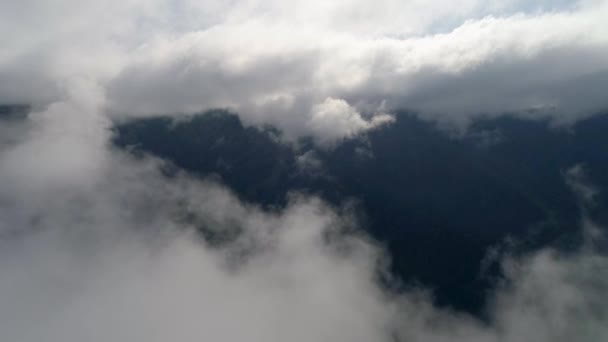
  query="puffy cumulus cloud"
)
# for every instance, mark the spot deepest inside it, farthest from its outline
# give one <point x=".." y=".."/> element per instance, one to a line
<point x="276" y="63"/>
<point x="333" y="119"/>
<point x="97" y="245"/>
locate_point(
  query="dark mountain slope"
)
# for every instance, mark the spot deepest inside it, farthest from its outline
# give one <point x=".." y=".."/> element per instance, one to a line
<point x="437" y="202"/>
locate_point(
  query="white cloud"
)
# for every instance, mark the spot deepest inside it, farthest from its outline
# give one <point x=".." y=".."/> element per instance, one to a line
<point x="489" y="66"/>
<point x="334" y="118"/>
<point x="275" y="62"/>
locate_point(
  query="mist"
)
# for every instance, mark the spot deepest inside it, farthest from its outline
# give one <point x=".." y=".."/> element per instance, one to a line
<point x="98" y="245"/>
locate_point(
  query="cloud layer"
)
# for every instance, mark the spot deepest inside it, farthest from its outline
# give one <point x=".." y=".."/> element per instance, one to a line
<point x="278" y="64"/>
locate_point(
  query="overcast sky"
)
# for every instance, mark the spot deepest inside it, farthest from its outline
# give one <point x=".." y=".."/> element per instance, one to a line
<point x="320" y="68"/>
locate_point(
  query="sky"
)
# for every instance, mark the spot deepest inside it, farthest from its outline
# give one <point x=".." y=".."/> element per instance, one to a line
<point x="96" y="245"/>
